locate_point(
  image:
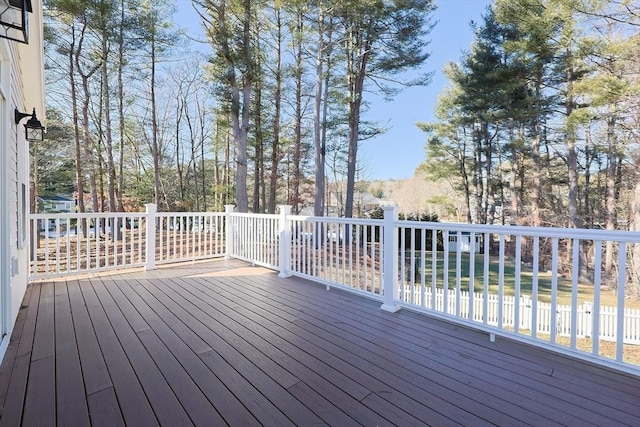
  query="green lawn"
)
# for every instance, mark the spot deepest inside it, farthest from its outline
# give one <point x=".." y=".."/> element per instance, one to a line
<point x="585" y="290"/>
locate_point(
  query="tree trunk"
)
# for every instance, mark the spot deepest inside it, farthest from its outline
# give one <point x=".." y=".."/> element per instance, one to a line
<point x="297" y="129"/>
<point x="87" y="144"/>
<point x="612" y="163"/>
<point x="323" y="128"/>
<point x="359" y="51"/>
<point x="462" y="165"/>
<point x="155" y="152"/>
<point x="239" y="114"/>
<point x="258" y="148"/>
<point x="180" y="106"/>
<point x="319" y="148"/>
<point x="536" y="183"/>
<point x="478" y="182"/>
<point x="121" y="118"/>
<point x="513" y="187"/>
<point x="76" y="125"/>
<point x="275" y="148"/>
<point x="572" y="158"/>
<point x="634" y="285"/>
<point x="108" y="140"/>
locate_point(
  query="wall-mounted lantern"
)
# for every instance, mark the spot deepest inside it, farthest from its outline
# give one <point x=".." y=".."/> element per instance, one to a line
<point x="34" y="131"/>
<point x="14" y="20"/>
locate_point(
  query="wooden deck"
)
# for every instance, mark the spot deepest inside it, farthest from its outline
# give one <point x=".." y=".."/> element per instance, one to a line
<point x="220" y="343"/>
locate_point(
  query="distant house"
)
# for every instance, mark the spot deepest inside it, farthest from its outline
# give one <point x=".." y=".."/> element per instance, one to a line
<point x="365" y="203"/>
<point x="57" y="204"/>
<point x="463" y="239"/>
<point x="21" y="93"/>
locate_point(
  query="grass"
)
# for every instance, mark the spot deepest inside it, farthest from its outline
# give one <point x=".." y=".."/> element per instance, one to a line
<point x="564" y="284"/>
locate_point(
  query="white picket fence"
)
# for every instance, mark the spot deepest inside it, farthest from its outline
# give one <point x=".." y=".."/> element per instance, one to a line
<point x="527" y="322"/>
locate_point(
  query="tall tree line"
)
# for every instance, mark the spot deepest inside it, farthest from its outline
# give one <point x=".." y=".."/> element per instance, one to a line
<point x="292" y="78"/>
<point x="251" y="124"/>
<point x="539" y="117"/>
<point x="143" y="112"/>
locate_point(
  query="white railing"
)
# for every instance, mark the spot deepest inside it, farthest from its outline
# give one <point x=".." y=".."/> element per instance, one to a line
<point x="77" y="243"/>
<point x="561" y="276"/>
<point x="573" y="286"/>
<point x="189" y="236"/>
<point x="337" y="252"/>
<point x="69" y="244"/>
<point x="255" y="238"/>
<point x="558" y="271"/>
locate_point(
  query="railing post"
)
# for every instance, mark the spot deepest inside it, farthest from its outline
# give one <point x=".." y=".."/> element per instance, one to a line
<point x="228" y="231"/>
<point x="390" y="262"/>
<point x="284" y="248"/>
<point x="150" y="242"/>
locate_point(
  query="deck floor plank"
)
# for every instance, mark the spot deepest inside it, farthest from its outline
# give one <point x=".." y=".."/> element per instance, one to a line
<point x="383" y="359"/>
<point x="373" y="352"/>
<point x="12" y="349"/>
<point x="94" y="368"/>
<point x="16" y="369"/>
<point x="188" y="393"/>
<point x="219" y="342"/>
<point x="134" y="405"/>
<point x="287" y="357"/>
<point x="506" y="365"/>
<point x="71" y="401"/>
<point x="189" y="349"/>
<point x="383" y="383"/>
<point x="271" y="379"/>
<point x="164" y="402"/>
<point x="104" y="409"/>
<point x="40" y="402"/>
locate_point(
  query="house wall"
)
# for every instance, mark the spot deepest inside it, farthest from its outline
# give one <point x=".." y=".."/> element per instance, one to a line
<point x="22" y="87"/>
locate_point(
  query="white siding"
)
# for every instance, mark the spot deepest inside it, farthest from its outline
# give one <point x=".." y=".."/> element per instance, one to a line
<point x="21" y="79"/>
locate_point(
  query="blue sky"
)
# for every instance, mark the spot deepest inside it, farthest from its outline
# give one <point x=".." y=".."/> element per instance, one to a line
<point x="397" y="153"/>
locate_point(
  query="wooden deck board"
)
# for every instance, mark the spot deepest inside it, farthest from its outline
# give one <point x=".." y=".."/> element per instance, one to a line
<point x="374" y="353"/>
<point x="134" y="406"/>
<point x="189" y="349"/>
<point x="384" y="383"/>
<point x="95" y="373"/>
<point x="164" y="402"/>
<point x="383" y="361"/>
<point x="221" y="343"/>
<point x="104" y="409"/>
<point x="40" y="401"/>
<point x="506" y="365"/>
<point x="13" y="377"/>
<point x="71" y="401"/>
<point x="269" y="379"/>
<point x="186" y="391"/>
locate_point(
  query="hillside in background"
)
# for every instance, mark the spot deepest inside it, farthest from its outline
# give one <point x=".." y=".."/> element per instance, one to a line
<point x="418" y="195"/>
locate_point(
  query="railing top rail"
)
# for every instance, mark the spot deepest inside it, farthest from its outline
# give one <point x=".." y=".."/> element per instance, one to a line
<point x="117" y="214"/>
<point x="87" y="215"/>
<point x="255" y="215"/>
<point x="514" y="230"/>
<point x="201" y="213"/>
<point x="338" y="220"/>
<point x="579" y="233"/>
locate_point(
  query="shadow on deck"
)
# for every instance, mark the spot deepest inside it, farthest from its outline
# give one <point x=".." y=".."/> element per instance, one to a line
<point x="220" y="343"/>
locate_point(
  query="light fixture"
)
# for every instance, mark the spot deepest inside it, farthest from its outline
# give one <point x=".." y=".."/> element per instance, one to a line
<point x="34" y="131"/>
<point x="14" y="20"/>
